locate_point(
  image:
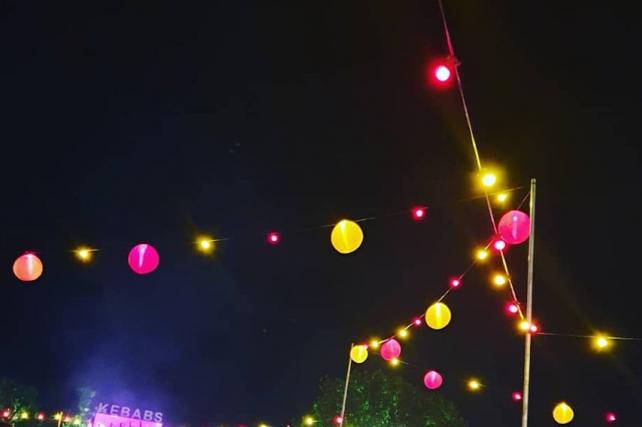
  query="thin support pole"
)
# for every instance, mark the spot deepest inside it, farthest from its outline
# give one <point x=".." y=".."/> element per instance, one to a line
<point x="529" y="308"/>
<point x="345" y="389"/>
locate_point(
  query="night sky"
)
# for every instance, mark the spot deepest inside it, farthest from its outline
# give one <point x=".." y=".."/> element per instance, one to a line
<point x="128" y="122"/>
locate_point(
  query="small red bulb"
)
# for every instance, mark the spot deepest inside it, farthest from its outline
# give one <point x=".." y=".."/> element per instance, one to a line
<point x="517" y="396"/>
<point x="499" y="245"/>
<point x="273" y="238"/>
<point x="6" y="413"/>
<point x="417" y="322"/>
<point x="338" y="420"/>
<point x="610" y="417"/>
<point x="418" y="213"/>
<point x="512" y="308"/>
<point x="455" y="283"/>
<point x="534" y="328"/>
<point x="442" y="73"/>
<point x="40" y="416"/>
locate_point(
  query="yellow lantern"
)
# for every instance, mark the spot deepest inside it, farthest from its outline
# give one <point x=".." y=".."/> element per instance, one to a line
<point x="359" y="353"/>
<point x="438" y="316"/>
<point x="346" y="236"/>
<point x="563" y="413"/>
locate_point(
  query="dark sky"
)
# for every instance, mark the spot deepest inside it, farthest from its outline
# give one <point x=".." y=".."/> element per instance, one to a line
<point x="150" y="121"/>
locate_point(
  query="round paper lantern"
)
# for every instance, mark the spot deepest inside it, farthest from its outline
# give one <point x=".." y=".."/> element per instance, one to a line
<point x="391" y="349"/>
<point x="27" y="267"/>
<point x="346" y="236"/>
<point x="433" y="380"/>
<point x="438" y="316"/>
<point x="143" y="259"/>
<point x="514" y="227"/>
<point x="562" y="413"/>
<point x="359" y="353"/>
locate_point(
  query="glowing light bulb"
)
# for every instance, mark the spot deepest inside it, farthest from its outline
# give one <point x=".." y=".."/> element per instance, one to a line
<point x="338" y="420"/>
<point x="499" y="280"/>
<point x="205" y="244"/>
<point x="533" y="328"/>
<point x="610" y="417"/>
<point x="481" y="254"/>
<point x="84" y="254"/>
<point x="58" y="416"/>
<point x="499" y="245"/>
<point x="308" y="420"/>
<point x="40" y="416"/>
<point x="455" y="283"/>
<point x="489" y="179"/>
<point x="442" y="73"/>
<point x="24" y="415"/>
<point x="394" y="362"/>
<point x="67" y="419"/>
<point x="273" y="238"/>
<point x="263" y="425"/>
<point x="601" y="342"/>
<point x="403" y="333"/>
<point x="6" y="413"/>
<point x="502" y="197"/>
<point x="524" y="325"/>
<point x="418" y="213"/>
<point x="417" y="322"/>
<point x="512" y="308"/>
<point x="517" y="396"/>
<point x="474" y="384"/>
<point x="374" y="343"/>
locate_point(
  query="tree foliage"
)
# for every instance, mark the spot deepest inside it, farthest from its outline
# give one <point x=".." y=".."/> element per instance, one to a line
<point x="18" y="399"/>
<point x="380" y="398"/>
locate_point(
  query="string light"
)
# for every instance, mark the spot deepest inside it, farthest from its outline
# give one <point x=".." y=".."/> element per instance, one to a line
<point x="601" y="342"/>
<point x="84" y="254"/>
<point x="474" y="385"/>
<point x="488" y="179"/>
<point x="77" y="421"/>
<point x="58" y="416"/>
<point x="610" y="417"/>
<point x="40" y="416"/>
<point x="24" y="415"/>
<point x="512" y="308"/>
<point x="308" y="420"/>
<point x="206" y="244"/>
<point x="517" y="396"/>
<point x="374" y="343"/>
<point x="417" y="322"/>
<point x="6" y="413"/>
<point x="499" y="245"/>
<point x="455" y="283"/>
<point x="273" y="238"/>
<point x="403" y="333"/>
<point x="394" y="362"/>
<point x="67" y="419"/>
<point x="418" y="213"/>
<point x="481" y="254"/>
<point x="338" y="420"/>
<point x="502" y="197"/>
<point x="524" y="325"/>
<point x="499" y="280"/>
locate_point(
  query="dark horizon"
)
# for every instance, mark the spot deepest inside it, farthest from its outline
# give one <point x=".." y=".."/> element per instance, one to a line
<point x="129" y="123"/>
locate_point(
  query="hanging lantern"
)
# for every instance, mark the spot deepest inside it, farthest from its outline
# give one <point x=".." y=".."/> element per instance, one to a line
<point x="143" y="259"/>
<point x="438" y="316"/>
<point x="359" y="353"/>
<point x="346" y="236"/>
<point x="433" y="380"/>
<point x="391" y="349"/>
<point x="514" y="227"/>
<point x="563" y="413"/>
<point x="27" y="267"/>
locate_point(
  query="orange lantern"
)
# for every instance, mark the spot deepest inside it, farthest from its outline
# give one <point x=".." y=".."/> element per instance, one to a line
<point x="27" y="267"/>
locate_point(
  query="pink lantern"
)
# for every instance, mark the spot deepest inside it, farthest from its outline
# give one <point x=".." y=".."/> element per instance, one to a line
<point x="433" y="380"/>
<point x="143" y="259"/>
<point x="514" y="227"/>
<point x="27" y="267"/>
<point x="390" y="349"/>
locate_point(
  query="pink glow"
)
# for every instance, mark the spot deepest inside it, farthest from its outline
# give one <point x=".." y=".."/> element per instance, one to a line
<point x="442" y="73"/>
<point x="433" y="380"/>
<point x="418" y="213"/>
<point x="417" y="322"/>
<point x="27" y="267"/>
<point x="40" y="416"/>
<point x="514" y="227"/>
<point x="517" y="396"/>
<point x="390" y="349"/>
<point x="499" y="245"/>
<point x="338" y="420"/>
<point x="534" y="328"/>
<point x="6" y="413"/>
<point x="273" y="238"/>
<point x="610" y="417"/>
<point x="107" y="420"/>
<point x="455" y="283"/>
<point x="143" y="259"/>
<point x="512" y="308"/>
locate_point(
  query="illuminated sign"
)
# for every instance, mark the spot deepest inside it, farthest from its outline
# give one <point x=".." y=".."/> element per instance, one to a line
<point x="109" y="415"/>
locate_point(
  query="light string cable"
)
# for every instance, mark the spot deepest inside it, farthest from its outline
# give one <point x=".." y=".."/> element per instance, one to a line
<point x="473" y="141"/>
